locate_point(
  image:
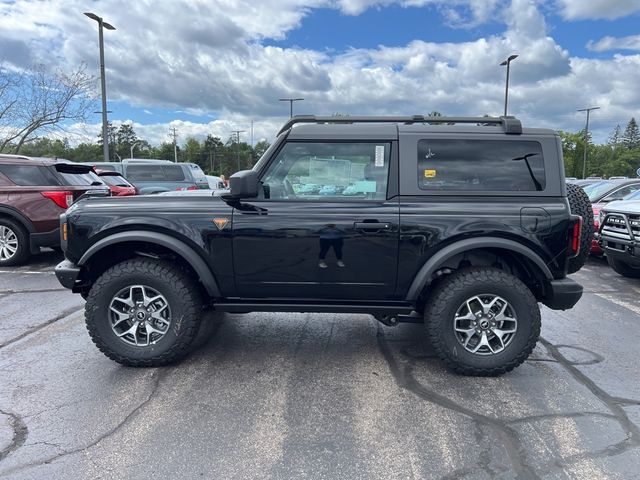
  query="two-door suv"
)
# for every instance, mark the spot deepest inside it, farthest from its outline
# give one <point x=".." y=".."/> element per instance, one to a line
<point x="464" y="222"/>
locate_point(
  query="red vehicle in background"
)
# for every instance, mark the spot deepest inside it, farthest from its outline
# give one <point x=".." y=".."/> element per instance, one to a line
<point x="118" y="185"/>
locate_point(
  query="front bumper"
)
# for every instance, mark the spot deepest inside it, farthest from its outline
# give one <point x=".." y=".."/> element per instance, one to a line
<point x="623" y="250"/>
<point x="562" y="294"/>
<point x="67" y="273"/>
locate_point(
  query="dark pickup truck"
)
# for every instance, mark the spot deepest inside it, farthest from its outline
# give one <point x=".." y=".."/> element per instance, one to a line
<point x="464" y="223"/>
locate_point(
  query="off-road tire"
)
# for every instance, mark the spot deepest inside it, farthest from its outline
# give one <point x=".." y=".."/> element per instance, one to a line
<point x="452" y="291"/>
<point x="622" y="268"/>
<point x="177" y="287"/>
<point x="209" y="323"/>
<point x="23" y="251"/>
<point x="580" y="205"/>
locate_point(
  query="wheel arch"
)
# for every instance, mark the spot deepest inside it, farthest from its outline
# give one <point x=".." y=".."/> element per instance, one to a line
<point x="187" y="254"/>
<point x="14" y="214"/>
<point x="426" y="273"/>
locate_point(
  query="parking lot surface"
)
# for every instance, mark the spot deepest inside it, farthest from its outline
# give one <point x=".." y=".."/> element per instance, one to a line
<point x="316" y="396"/>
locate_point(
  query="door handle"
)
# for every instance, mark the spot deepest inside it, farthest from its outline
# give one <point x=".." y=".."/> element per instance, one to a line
<point x="371" y="225"/>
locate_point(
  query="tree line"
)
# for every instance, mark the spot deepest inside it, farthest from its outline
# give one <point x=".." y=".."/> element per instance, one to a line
<point x="618" y="156"/>
<point x="214" y="155"/>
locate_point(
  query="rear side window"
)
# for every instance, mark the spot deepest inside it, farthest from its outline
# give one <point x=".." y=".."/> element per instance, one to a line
<point x="155" y="173"/>
<point x="80" y="179"/>
<point x="29" y="175"/>
<point x="480" y="165"/>
<point x="115" y="180"/>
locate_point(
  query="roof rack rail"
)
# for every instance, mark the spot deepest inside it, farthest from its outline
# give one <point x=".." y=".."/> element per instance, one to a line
<point x="509" y="124"/>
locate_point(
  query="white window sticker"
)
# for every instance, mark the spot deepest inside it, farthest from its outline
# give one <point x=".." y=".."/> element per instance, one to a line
<point x="379" y="156"/>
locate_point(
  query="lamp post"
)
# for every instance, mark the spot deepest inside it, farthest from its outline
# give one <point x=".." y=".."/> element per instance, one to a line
<point x="507" y="62"/>
<point x="586" y="140"/>
<point x="291" y="100"/>
<point x="238" y="132"/>
<point x="132" y="147"/>
<point x="105" y="133"/>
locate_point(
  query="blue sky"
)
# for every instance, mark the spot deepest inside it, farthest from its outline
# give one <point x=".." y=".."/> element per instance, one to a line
<point x="213" y="66"/>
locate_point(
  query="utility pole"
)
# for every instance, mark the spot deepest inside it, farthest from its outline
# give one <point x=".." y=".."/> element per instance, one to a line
<point x="105" y="134"/>
<point x="507" y="62"/>
<point x="291" y="100"/>
<point x="238" y="132"/>
<point x="174" y="135"/>
<point x="132" y="147"/>
<point x="251" y="133"/>
<point x="586" y="140"/>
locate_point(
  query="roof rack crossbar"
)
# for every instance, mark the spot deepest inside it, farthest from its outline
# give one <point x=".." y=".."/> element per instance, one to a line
<point x="509" y="124"/>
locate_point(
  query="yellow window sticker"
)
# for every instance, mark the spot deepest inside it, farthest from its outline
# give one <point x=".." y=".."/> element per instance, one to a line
<point x="429" y="173"/>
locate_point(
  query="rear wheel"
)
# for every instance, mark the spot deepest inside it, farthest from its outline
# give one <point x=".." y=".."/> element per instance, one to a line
<point x="623" y="268"/>
<point x="143" y="313"/>
<point x="580" y="205"/>
<point x="482" y="321"/>
<point x="14" y="243"/>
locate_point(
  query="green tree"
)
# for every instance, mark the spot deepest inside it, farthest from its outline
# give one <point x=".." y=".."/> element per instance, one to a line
<point x="631" y="136"/>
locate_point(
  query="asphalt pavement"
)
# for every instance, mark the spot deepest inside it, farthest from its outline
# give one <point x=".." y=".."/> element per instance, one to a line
<point x="322" y="396"/>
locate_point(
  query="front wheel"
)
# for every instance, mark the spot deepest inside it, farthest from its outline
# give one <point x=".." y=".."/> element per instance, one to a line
<point x="482" y="321"/>
<point x="623" y="268"/>
<point x="143" y="312"/>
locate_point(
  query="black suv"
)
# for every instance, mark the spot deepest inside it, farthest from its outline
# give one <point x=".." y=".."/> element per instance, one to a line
<point x="465" y="223"/>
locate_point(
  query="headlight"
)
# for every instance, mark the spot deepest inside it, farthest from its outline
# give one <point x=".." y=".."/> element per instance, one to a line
<point x="601" y="216"/>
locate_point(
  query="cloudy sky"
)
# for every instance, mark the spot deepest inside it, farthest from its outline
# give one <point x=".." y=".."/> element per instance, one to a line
<point x="211" y="66"/>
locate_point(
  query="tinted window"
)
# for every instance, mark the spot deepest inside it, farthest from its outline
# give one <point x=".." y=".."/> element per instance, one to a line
<point x="29" y="175"/>
<point x="79" y="179"/>
<point x="323" y="171"/>
<point x="480" y="165"/>
<point x="115" y="180"/>
<point x="155" y="173"/>
<point x="111" y="168"/>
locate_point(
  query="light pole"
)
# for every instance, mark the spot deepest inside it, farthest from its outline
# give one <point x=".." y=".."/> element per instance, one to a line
<point x="238" y="132"/>
<point x="105" y="134"/>
<point x="507" y="62"/>
<point x="586" y="140"/>
<point x="132" y="147"/>
<point x="291" y="100"/>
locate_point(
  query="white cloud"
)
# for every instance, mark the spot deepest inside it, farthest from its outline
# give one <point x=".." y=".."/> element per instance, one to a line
<point x="631" y="42"/>
<point x="207" y="57"/>
<point x="597" y="9"/>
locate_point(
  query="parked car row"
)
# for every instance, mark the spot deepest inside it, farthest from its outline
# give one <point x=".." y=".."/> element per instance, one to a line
<point x="616" y="209"/>
<point x="35" y="191"/>
<point x="33" y="194"/>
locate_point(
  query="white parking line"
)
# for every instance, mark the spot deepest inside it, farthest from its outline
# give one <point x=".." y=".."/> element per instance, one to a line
<point x="622" y="303"/>
<point x="27" y="272"/>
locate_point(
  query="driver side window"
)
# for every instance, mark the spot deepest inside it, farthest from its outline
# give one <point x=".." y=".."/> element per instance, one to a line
<point x="310" y="171"/>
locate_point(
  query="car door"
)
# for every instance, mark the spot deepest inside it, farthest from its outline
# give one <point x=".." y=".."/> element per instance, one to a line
<point x="323" y="226"/>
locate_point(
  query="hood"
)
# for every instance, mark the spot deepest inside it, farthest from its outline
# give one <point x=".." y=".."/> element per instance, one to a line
<point x="631" y="207"/>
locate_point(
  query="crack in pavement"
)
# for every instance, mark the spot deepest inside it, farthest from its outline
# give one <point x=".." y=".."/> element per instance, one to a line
<point x="65" y="313"/>
<point x="511" y="441"/>
<point x="613" y="404"/>
<point x="20" y="433"/>
<point x="158" y="374"/>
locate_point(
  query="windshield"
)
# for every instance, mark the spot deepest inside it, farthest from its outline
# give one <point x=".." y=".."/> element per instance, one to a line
<point x="596" y="190"/>
<point x="115" y="180"/>
<point x="267" y="154"/>
<point x="633" y="196"/>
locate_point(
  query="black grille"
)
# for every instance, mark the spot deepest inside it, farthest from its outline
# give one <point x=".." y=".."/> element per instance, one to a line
<point x="615" y="226"/>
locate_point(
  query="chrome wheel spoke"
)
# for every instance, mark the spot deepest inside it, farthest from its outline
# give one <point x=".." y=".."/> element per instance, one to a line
<point x="485" y="324"/>
<point x="146" y="309"/>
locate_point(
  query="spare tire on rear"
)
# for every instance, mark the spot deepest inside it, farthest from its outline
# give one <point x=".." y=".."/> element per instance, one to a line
<point x="580" y="205"/>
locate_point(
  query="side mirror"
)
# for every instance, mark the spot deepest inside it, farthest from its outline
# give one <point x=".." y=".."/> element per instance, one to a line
<point x="244" y="184"/>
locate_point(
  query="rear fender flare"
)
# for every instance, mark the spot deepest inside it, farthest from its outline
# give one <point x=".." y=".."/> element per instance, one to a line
<point x="425" y="273"/>
<point x="16" y="215"/>
<point x="177" y="246"/>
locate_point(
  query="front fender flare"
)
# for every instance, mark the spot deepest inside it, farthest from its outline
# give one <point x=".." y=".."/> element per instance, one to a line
<point x="441" y="256"/>
<point x="177" y="246"/>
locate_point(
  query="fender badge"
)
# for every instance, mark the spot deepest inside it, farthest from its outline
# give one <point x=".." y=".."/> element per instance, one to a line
<point x="220" y="222"/>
